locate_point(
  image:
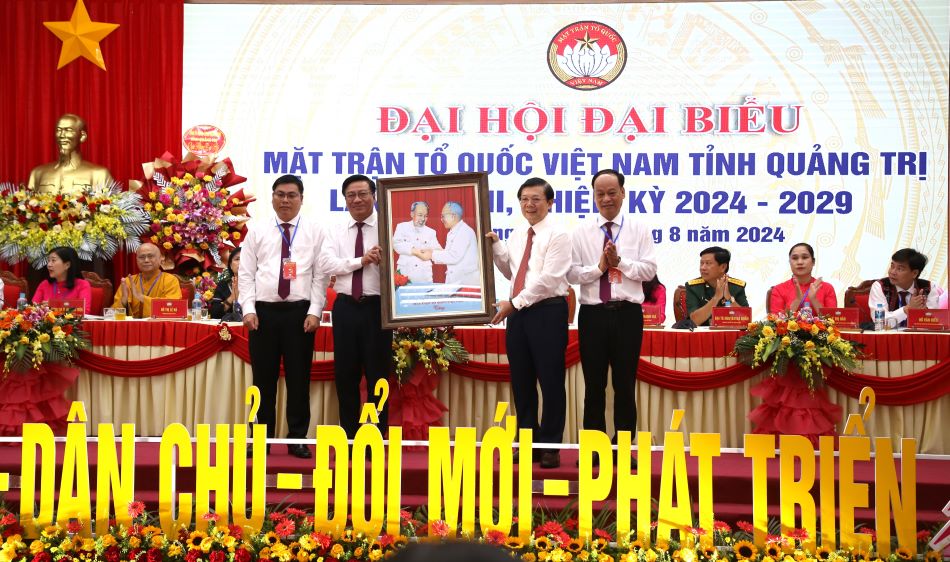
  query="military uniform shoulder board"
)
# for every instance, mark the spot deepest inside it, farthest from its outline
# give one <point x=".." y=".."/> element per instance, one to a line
<point x="697" y="281"/>
<point x="738" y="282"/>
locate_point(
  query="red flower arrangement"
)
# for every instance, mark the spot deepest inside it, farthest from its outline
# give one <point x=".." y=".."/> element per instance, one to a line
<point x="195" y="210"/>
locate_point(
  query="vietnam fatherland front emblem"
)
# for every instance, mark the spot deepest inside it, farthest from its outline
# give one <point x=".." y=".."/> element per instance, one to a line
<point x="587" y="55"/>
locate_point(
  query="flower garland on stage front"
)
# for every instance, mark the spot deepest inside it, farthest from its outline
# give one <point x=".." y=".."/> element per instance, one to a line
<point x="196" y="214"/>
<point x="807" y="341"/>
<point x="289" y="535"/>
<point x="36" y="335"/>
<point x="96" y="224"/>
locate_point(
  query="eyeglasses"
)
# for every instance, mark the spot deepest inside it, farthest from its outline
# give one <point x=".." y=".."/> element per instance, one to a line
<point x="291" y="195"/>
<point x="354" y="195"/>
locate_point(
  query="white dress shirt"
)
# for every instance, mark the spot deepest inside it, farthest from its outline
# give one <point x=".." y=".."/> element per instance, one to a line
<point x="339" y="255"/>
<point x="406" y="237"/>
<point x="461" y="256"/>
<point x="548" y="263"/>
<point x="637" y="259"/>
<point x="877" y="296"/>
<point x="259" y="274"/>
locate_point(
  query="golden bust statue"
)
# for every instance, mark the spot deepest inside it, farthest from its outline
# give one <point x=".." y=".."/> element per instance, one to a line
<point x="70" y="174"/>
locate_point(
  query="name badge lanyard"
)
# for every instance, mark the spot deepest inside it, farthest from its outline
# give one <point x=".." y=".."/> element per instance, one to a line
<point x="150" y="287"/>
<point x="290" y="241"/>
<point x="801" y="303"/>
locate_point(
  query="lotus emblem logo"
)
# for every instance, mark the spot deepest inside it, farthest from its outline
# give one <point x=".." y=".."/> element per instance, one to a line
<point x="587" y="55"/>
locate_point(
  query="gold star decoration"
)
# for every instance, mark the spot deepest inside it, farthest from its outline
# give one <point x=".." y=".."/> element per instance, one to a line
<point x="586" y="43"/>
<point x="80" y="36"/>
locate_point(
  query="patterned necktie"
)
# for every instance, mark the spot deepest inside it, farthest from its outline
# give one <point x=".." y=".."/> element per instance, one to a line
<point x="357" y="286"/>
<point x="901" y="302"/>
<point x="283" y="285"/>
<point x="523" y="267"/>
<point x="605" y="278"/>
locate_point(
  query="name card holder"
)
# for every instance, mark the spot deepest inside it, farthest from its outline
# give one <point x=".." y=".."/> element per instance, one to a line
<point x="169" y="309"/>
<point x="75" y="306"/>
<point x="730" y="318"/>
<point x="928" y="320"/>
<point x="651" y="317"/>
<point x="846" y="319"/>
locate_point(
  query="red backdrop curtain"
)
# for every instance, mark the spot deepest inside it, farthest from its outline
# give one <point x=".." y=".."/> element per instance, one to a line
<point x="132" y="109"/>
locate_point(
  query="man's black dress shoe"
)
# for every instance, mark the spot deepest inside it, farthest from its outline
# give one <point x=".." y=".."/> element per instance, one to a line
<point x="300" y="451"/>
<point x="550" y="459"/>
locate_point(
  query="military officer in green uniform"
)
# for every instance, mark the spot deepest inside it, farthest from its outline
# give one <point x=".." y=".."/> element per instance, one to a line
<point x="713" y="287"/>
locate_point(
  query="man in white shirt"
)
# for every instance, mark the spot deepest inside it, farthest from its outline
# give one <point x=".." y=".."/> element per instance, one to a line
<point x="409" y="238"/>
<point x="613" y="256"/>
<point x="903" y="288"/>
<point x="360" y="345"/>
<point x="461" y="249"/>
<point x="282" y="296"/>
<point x="537" y="260"/>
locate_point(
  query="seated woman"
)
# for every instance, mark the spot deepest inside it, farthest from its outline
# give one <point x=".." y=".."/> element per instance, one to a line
<point x="64" y="282"/>
<point x="224" y="303"/>
<point x="802" y="288"/>
<point x="654" y="294"/>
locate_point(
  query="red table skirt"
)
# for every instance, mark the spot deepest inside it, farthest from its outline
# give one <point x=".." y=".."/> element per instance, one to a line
<point x="656" y="343"/>
<point x="198" y="342"/>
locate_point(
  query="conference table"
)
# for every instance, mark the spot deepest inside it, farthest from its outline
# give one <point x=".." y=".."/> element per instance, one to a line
<point x="155" y="373"/>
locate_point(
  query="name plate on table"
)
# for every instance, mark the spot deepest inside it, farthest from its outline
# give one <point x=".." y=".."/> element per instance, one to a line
<point x="651" y="316"/>
<point x="845" y="318"/>
<point x="928" y="319"/>
<point x="76" y="306"/>
<point x="730" y="318"/>
<point x="169" y="309"/>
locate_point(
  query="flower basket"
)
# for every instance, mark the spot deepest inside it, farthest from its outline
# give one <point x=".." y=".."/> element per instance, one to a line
<point x="37" y="335"/>
<point x="808" y="342"/>
<point x="96" y="224"/>
<point x="195" y="211"/>
<point x="432" y="349"/>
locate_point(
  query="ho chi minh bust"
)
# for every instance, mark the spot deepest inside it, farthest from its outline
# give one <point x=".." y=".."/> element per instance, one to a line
<point x="70" y="174"/>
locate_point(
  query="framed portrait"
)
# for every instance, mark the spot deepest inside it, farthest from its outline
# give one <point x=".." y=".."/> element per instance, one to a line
<point x="437" y="265"/>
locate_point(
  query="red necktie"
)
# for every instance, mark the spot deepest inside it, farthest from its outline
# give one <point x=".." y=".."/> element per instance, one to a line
<point x="283" y="286"/>
<point x="523" y="267"/>
<point x="605" y="278"/>
<point x="357" y="286"/>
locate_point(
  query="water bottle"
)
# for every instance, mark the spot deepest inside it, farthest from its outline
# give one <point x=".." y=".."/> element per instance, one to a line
<point x="806" y="312"/>
<point x="879" y="317"/>
<point x="196" y="307"/>
<point x="21" y="302"/>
